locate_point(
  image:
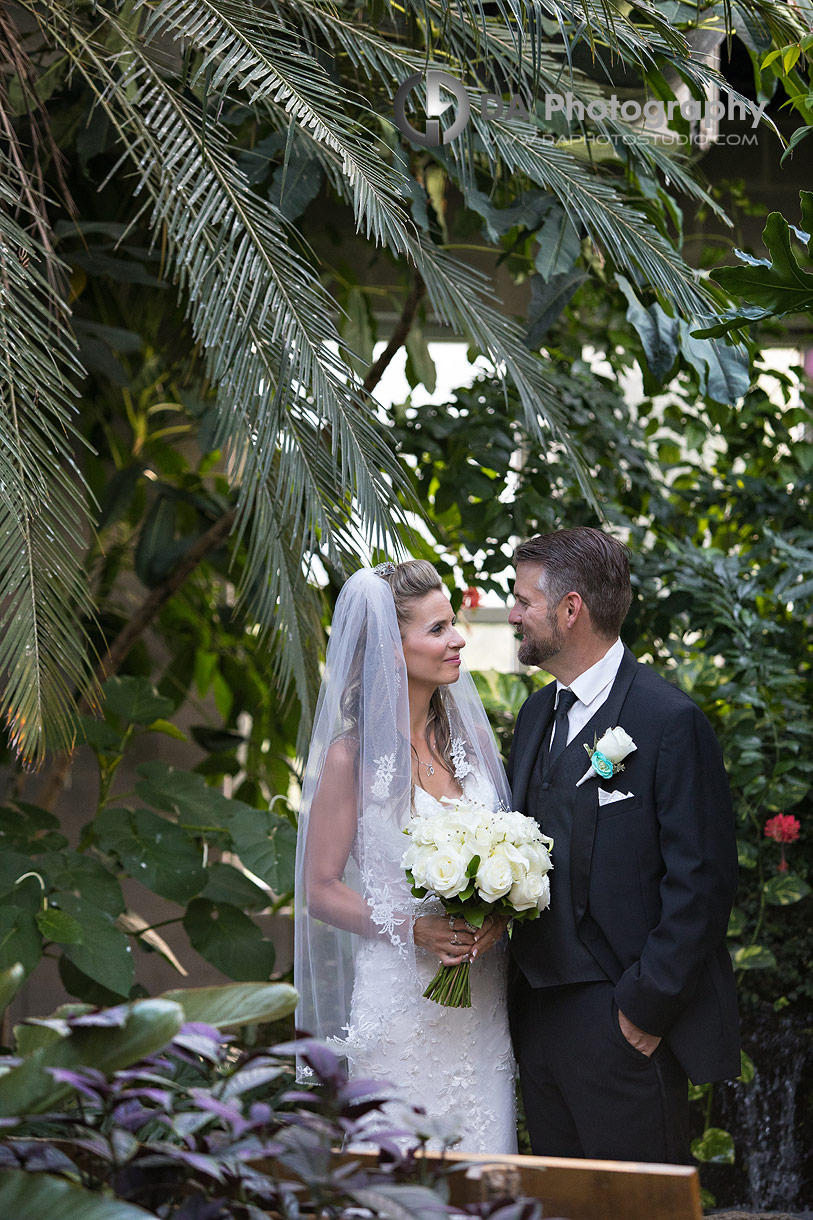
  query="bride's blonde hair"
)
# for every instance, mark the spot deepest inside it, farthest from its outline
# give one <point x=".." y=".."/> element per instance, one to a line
<point x="410" y="580"/>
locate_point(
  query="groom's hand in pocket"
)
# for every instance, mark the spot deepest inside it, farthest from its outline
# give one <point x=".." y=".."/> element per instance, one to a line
<point x="643" y="1042"/>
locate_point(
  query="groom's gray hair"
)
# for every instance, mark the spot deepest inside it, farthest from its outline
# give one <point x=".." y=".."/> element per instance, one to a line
<point x="586" y="561"/>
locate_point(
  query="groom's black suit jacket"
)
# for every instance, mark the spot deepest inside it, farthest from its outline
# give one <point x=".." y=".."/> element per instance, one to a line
<point x="652" y="876"/>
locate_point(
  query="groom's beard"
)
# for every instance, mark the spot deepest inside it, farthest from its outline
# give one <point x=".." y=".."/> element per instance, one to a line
<point x="536" y="650"/>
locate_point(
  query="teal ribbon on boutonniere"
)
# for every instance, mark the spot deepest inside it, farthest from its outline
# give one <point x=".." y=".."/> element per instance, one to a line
<point x="607" y="754"/>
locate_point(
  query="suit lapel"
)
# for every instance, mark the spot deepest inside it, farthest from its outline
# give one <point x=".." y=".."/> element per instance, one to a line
<point x="525" y="763"/>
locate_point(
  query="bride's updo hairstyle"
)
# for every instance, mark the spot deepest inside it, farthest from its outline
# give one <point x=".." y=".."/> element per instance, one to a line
<point x="409" y="581"/>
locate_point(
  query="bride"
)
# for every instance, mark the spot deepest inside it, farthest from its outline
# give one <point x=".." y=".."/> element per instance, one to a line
<point x="399" y="726"/>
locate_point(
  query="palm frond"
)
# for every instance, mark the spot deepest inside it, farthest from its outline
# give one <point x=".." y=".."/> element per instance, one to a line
<point x="244" y="48"/>
<point x="44" y="599"/>
<point x="259" y="311"/>
<point x="588" y="193"/>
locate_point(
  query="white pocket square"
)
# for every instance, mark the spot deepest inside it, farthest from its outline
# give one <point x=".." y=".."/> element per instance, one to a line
<point x="607" y="798"/>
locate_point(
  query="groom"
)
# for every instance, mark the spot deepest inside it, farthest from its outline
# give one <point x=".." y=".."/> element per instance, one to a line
<point x="624" y="987"/>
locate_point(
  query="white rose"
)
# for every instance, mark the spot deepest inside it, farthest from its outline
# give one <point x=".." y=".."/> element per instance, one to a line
<point x="494" y="876"/>
<point x="616" y="744"/>
<point x="416" y="858"/>
<point x="537" y="856"/>
<point x="517" y="858"/>
<point x="445" y="873"/>
<point x="531" y="892"/>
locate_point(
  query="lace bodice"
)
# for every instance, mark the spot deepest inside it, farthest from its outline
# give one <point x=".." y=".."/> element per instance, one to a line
<point x="457" y="1063"/>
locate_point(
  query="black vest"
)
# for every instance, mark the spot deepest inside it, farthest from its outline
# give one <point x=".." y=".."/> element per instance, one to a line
<point x="549" y="950"/>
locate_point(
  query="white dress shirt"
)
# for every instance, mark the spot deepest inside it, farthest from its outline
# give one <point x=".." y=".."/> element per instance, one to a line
<point x="591" y="689"/>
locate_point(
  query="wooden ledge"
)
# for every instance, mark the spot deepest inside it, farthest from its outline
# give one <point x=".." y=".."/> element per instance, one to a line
<point x="575" y="1189"/>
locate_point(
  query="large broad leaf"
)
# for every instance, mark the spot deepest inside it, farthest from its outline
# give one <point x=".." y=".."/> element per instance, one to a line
<point x="105" y="953"/>
<point x="28" y="828"/>
<point x="400" y="1201"/>
<point x="135" y="700"/>
<point x="785" y="889"/>
<point x="57" y="926"/>
<point x="656" y="330"/>
<point x="358" y="330"/>
<point x="13" y="866"/>
<point x="229" y="940"/>
<point x="723" y="368"/>
<point x="296" y="182"/>
<point x="753" y="957"/>
<point x="228" y="884"/>
<point x="20" y="940"/>
<point x="154" y="850"/>
<point x="266" y="845"/>
<point x="11" y="980"/>
<point x="547" y="302"/>
<point x="29" y="1196"/>
<point x="714" y="1146"/>
<point x="420" y="367"/>
<point x="782" y="287"/>
<point x="241" y="1004"/>
<point x="85" y="877"/>
<point x="184" y="793"/>
<point x="559" y="244"/>
<point x="144" y="1028"/>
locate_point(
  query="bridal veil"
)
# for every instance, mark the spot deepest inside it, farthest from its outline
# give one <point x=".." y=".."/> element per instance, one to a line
<point x="357" y="799"/>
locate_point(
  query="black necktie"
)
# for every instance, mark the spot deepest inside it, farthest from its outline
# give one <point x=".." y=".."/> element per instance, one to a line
<point x="560" y="726"/>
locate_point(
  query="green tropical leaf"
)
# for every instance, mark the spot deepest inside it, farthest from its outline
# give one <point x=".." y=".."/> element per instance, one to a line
<point x="657" y="331"/>
<point x="155" y="851"/>
<point x="105" y="953"/>
<point x="227" y="1007"/>
<point x="57" y="926"/>
<point x="266" y="845"/>
<point x="196" y="804"/>
<point x="11" y="980"/>
<point x="548" y="299"/>
<point x="134" y="700"/>
<point x="225" y="883"/>
<point x="146" y="1026"/>
<point x="559" y="244"/>
<point x="753" y="957"/>
<point x="28" y="1196"/>
<point x="420" y="367"/>
<point x="785" y="889"/>
<point x="784" y="286"/>
<point x="85" y="877"/>
<point x="229" y="940"/>
<point x="20" y="941"/>
<point x="714" y="1146"/>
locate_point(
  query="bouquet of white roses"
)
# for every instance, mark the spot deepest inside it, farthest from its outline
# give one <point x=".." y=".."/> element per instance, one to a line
<point x="478" y="862"/>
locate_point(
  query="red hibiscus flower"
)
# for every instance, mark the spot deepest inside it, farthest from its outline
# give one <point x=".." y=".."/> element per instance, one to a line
<point x="783" y="828"/>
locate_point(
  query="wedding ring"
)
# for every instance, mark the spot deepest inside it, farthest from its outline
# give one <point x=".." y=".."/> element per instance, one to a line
<point x="451" y="922"/>
<point x="455" y="939"/>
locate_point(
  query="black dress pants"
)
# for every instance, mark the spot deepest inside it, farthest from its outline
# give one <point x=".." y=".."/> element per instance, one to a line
<point x="587" y="1091"/>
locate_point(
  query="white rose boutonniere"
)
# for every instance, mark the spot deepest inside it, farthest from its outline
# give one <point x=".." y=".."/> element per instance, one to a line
<point x="607" y="754"/>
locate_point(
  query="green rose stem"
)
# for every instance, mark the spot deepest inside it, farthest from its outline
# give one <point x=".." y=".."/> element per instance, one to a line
<point x="451" y="986"/>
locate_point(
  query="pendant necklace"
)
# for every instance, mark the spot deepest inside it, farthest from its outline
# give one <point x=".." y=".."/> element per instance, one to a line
<point x="430" y="766"/>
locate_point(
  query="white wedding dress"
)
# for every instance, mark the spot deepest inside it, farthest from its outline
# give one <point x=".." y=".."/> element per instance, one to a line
<point x="456" y="1063"/>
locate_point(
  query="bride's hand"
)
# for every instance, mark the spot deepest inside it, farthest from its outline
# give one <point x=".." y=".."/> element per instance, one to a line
<point x="450" y="944"/>
<point x="492" y="930"/>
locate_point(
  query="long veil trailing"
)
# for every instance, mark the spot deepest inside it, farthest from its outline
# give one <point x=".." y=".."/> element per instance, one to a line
<point x="357" y="798"/>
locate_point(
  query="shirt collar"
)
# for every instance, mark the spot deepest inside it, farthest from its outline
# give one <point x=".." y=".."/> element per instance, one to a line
<point x="590" y="684"/>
